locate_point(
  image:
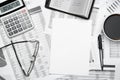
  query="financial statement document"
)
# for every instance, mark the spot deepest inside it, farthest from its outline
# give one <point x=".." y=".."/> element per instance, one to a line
<point x="25" y="52"/>
<point x="70" y="47"/>
<point x="43" y="58"/>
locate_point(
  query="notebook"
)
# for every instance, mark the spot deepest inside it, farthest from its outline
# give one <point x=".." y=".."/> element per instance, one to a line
<point x="81" y="8"/>
<point x="70" y="47"/>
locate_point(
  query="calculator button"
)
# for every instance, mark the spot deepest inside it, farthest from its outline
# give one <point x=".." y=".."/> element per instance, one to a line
<point x="23" y="11"/>
<point x="18" y="26"/>
<point x="21" y="20"/>
<point x="11" y="33"/>
<point x="17" y="22"/>
<point x="18" y="13"/>
<point x="5" y="22"/>
<point x="20" y="29"/>
<point x="15" y="18"/>
<point x="30" y="25"/>
<point x="25" y="14"/>
<point x="7" y="26"/>
<point x="12" y="24"/>
<point x="13" y="28"/>
<point x="26" y="18"/>
<point x="24" y="27"/>
<point x="10" y="20"/>
<point x="28" y="22"/>
<point x="20" y="16"/>
<point x="23" y="24"/>
<point x="15" y="31"/>
<point x="13" y="15"/>
<point x="7" y="18"/>
<point x="9" y="29"/>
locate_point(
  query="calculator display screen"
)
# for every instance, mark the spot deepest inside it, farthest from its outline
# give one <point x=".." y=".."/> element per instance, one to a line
<point x="10" y="5"/>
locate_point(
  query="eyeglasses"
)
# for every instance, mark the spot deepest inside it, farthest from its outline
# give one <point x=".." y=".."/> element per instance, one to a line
<point x="32" y="62"/>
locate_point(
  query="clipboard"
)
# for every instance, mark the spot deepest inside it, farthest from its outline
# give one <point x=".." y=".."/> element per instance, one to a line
<point x="47" y="5"/>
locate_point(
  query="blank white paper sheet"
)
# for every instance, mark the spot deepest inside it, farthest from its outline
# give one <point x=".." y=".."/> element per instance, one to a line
<point x="70" y="46"/>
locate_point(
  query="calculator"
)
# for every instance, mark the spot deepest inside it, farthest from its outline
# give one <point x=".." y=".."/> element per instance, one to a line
<point x="15" y="17"/>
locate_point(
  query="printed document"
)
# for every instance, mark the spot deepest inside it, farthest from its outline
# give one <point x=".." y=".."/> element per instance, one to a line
<point x="25" y="52"/>
<point x="117" y="71"/>
<point x="111" y="48"/>
<point x="70" y="47"/>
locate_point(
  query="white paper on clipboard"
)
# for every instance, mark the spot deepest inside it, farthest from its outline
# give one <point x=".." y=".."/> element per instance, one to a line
<point x="70" y="47"/>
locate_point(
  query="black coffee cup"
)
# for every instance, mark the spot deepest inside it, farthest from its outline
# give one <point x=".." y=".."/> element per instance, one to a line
<point x="111" y="27"/>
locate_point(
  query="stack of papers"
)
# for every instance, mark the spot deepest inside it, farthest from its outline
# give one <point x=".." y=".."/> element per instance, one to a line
<point x="70" y="47"/>
<point x="117" y="71"/>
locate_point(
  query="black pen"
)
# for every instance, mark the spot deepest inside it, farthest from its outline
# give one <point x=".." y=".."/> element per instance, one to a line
<point x="100" y="46"/>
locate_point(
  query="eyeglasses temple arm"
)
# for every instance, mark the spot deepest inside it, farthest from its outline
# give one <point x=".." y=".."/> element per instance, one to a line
<point x="18" y="58"/>
<point x="36" y="49"/>
<point x="12" y="43"/>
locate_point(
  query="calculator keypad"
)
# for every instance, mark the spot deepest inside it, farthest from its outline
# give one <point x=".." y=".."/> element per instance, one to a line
<point x="17" y="22"/>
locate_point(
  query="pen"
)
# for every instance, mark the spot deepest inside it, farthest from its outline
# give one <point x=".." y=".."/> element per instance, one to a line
<point x="101" y="55"/>
<point x="100" y="50"/>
